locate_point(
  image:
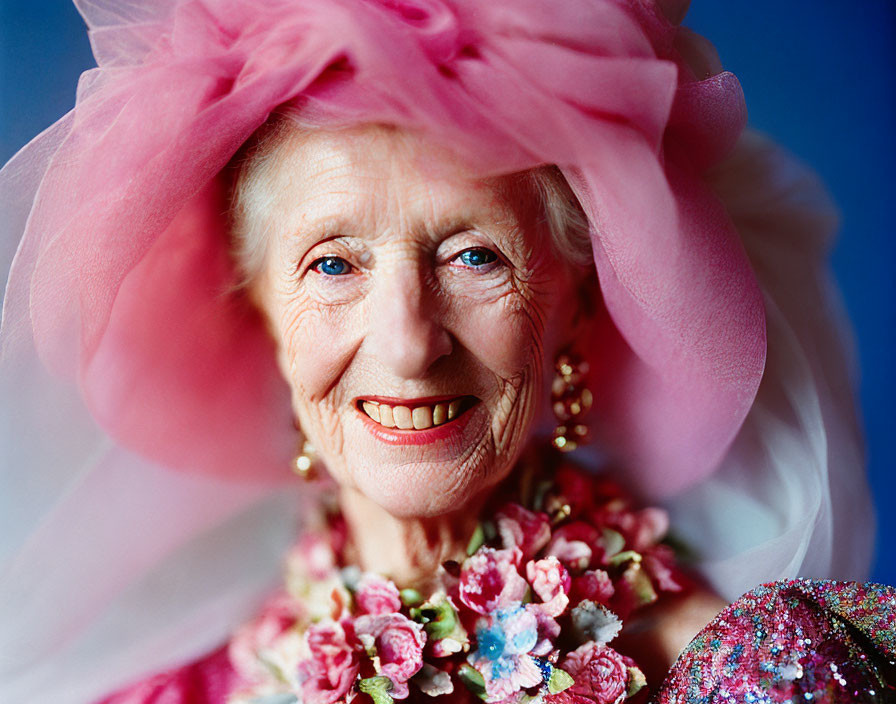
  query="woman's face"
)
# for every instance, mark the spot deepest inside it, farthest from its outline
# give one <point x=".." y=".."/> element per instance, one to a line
<point x="416" y="310"/>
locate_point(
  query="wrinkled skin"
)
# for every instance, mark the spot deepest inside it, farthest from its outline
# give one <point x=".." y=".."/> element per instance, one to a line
<point x="405" y="315"/>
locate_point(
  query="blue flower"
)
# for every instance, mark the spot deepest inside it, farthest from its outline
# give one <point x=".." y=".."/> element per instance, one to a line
<point x="503" y="642"/>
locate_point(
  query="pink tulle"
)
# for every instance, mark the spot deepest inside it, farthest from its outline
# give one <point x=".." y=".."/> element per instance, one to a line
<point x="122" y="274"/>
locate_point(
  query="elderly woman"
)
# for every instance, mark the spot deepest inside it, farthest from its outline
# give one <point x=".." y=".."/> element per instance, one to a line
<point x="435" y="245"/>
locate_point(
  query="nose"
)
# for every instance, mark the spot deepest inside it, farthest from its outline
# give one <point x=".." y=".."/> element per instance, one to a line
<point x="405" y="332"/>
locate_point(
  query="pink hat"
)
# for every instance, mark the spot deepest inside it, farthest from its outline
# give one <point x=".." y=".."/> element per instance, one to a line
<point x="123" y="275"/>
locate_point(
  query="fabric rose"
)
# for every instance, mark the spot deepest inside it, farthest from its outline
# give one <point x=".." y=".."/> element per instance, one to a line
<point x="575" y="554"/>
<point x="397" y="644"/>
<point x="550" y="581"/>
<point x="574" y="544"/>
<point x="592" y="585"/>
<point x="659" y="563"/>
<point x="489" y="580"/>
<point x="600" y="674"/>
<point x="328" y="674"/>
<point x="377" y="595"/>
<point x="523" y="529"/>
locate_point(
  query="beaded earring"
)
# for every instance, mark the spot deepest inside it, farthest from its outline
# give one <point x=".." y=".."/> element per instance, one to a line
<point x="570" y="400"/>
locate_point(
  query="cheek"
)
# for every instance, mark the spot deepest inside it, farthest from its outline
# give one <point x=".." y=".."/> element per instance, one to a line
<point x="508" y="339"/>
<point x="315" y="342"/>
<point x="503" y="337"/>
<point x="508" y="334"/>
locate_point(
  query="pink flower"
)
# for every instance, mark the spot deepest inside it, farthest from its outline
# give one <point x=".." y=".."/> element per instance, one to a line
<point x="593" y="585"/>
<point x="650" y="526"/>
<point x="523" y="529"/>
<point x="489" y="580"/>
<point x="398" y="643"/>
<point x="550" y="581"/>
<point x="548" y="631"/>
<point x="331" y="670"/>
<point x="574" y="545"/>
<point x="659" y="562"/>
<point x="600" y="674"/>
<point x="376" y="595"/>
<point x="573" y="553"/>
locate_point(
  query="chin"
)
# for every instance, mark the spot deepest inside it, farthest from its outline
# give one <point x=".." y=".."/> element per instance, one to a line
<point x="423" y="474"/>
<point x="424" y="489"/>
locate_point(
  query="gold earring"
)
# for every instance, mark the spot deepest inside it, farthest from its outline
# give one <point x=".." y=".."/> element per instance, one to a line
<point x="303" y="463"/>
<point x="570" y="400"/>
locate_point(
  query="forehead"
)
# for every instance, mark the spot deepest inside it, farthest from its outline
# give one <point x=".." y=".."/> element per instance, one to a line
<point x="349" y="172"/>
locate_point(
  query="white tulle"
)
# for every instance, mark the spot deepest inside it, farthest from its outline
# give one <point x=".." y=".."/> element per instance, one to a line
<point x="791" y="497"/>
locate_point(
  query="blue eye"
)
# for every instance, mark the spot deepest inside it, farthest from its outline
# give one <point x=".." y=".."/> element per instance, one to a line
<point x="477" y="257"/>
<point x="332" y="266"/>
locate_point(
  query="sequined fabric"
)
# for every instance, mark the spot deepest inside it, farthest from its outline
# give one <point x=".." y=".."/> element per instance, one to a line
<point x="806" y="641"/>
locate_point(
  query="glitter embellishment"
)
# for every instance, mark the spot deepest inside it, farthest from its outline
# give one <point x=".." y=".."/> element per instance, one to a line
<point x="812" y="641"/>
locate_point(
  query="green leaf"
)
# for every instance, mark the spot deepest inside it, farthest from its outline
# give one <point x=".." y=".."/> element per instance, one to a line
<point x="438" y="617"/>
<point x="477" y="540"/>
<point x="640" y="584"/>
<point x="378" y="688"/>
<point x="411" y="597"/>
<point x="473" y="680"/>
<point x="635" y="682"/>
<point x="627" y="556"/>
<point x="613" y="541"/>
<point x="560" y="680"/>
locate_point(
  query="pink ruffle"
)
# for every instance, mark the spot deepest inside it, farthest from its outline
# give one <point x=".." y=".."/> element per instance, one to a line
<point x="123" y="277"/>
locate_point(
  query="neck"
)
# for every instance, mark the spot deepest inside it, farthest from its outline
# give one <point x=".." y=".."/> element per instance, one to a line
<point x="407" y="550"/>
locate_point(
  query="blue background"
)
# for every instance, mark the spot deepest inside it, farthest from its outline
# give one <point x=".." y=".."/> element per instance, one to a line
<point x="818" y="75"/>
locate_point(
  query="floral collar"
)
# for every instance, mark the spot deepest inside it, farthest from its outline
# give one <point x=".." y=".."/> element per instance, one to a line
<point x="527" y="617"/>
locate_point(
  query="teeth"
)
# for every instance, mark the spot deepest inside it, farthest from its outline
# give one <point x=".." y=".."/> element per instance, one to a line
<point x="386" y="416"/>
<point x="405" y="418"/>
<point x="422" y="417"/>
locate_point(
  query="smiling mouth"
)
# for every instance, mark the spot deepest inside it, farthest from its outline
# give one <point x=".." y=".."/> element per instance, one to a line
<point x="415" y="414"/>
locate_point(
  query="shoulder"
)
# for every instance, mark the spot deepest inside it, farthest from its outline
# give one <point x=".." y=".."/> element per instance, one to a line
<point x="797" y="640"/>
<point x="208" y="680"/>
